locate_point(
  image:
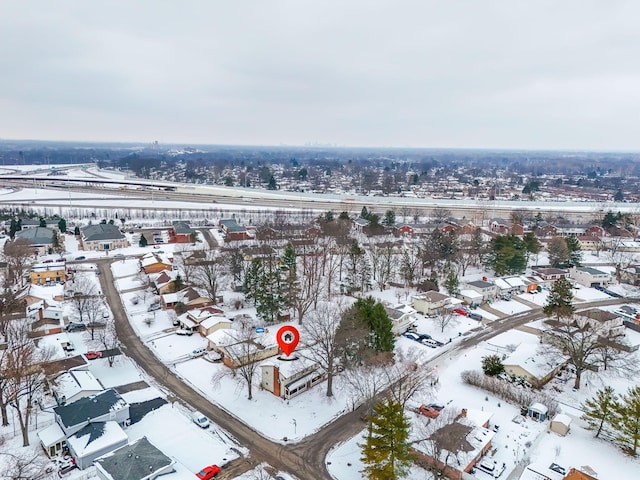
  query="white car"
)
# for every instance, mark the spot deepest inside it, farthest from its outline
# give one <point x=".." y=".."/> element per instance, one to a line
<point x="199" y="419"/>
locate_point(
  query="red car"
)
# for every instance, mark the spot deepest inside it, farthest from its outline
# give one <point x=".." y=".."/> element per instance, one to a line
<point x="431" y="410"/>
<point x="460" y="311"/>
<point x="208" y="472"/>
<point x="92" y="355"/>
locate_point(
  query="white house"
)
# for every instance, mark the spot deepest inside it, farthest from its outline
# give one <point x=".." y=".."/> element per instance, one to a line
<point x="430" y="303"/>
<point x="590" y="277"/>
<point x="402" y="317"/>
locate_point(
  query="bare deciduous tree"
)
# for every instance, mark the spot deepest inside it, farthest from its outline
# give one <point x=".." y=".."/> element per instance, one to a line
<point x="17" y="254"/>
<point x="210" y="276"/>
<point x="319" y="333"/>
<point x="444" y="318"/>
<point x="109" y="340"/>
<point x="23" y="367"/>
<point x="26" y="465"/>
<point x="242" y="354"/>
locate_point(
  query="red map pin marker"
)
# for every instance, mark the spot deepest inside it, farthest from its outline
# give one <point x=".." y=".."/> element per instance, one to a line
<point x="288" y="338"/>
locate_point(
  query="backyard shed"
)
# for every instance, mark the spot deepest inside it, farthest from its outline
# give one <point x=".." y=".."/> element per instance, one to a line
<point x="560" y="424"/>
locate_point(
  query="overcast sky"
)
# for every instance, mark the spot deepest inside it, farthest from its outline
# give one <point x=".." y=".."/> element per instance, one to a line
<point x="447" y="73"/>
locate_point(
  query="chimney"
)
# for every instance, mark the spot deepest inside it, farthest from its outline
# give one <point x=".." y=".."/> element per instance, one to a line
<point x="464" y="412"/>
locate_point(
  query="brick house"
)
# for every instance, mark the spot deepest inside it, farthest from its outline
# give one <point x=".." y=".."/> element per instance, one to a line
<point x="233" y="231"/>
<point x="180" y="232"/>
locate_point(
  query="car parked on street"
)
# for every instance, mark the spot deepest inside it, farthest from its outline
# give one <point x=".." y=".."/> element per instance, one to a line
<point x="91" y="355"/>
<point x="460" y="311"/>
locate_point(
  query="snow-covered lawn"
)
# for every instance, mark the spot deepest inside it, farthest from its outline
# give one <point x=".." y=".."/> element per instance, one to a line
<point x="539" y="298"/>
<point x="132" y="282"/>
<point x="510" y="307"/>
<point x="172" y="348"/>
<point x="125" y="267"/>
<point x="123" y="371"/>
<point x="272" y="416"/>
<point x="586" y="294"/>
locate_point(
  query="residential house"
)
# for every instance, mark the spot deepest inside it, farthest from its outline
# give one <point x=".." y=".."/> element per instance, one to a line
<point x="360" y="224"/>
<point x="585" y="473"/>
<point x="470" y="296"/>
<point x="189" y="297"/>
<point x="605" y="323"/>
<point x="195" y="318"/>
<point x="505" y="227"/>
<point x="590" y="277"/>
<point x="233" y="231"/>
<point x="181" y="232"/>
<point x="102" y="236"/>
<point x="430" y="303"/>
<point x="402" y="316"/>
<point x="212" y="324"/>
<point x="48" y="273"/>
<point x="545" y="230"/>
<point x="525" y="363"/>
<point x="485" y="289"/>
<point x="46" y="316"/>
<point x="236" y="352"/>
<point x="163" y="282"/>
<point x="107" y="406"/>
<point x="288" y="378"/>
<point x="463" y="440"/>
<point x="74" y="385"/>
<point x="590" y="243"/>
<point x="548" y="275"/>
<point x="403" y="230"/>
<point x="153" y="263"/>
<point x="40" y="238"/>
<point x="140" y="460"/>
<point x="95" y="440"/>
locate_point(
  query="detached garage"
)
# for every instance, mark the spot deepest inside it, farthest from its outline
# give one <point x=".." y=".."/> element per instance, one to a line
<point x="560" y="424"/>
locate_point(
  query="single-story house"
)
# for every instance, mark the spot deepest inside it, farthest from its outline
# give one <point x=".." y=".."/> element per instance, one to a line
<point x="107" y="405"/>
<point x="472" y="297"/>
<point x="189" y="297"/>
<point x="525" y="362"/>
<point x="560" y="424"/>
<point x="550" y="274"/>
<point x="430" y="303"/>
<point x="102" y="236"/>
<point x="463" y="440"/>
<point x="140" y="460"/>
<point x="590" y="277"/>
<point x="163" y="281"/>
<point x="40" y="238"/>
<point x="236" y="352"/>
<point x="95" y="440"/>
<point x="74" y="385"/>
<point x="288" y="378"/>
<point x="152" y="263"/>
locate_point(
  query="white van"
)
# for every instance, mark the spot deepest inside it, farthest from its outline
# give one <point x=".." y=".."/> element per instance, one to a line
<point x="198" y="352"/>
<point x="199" y="419"/>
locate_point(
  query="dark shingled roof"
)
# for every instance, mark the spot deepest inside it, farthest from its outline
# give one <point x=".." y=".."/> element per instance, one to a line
<point x="182" y="228"/>
<point x="101" y="231"/>
<point x="135" y="461"/>
<point x="89" y="407"/>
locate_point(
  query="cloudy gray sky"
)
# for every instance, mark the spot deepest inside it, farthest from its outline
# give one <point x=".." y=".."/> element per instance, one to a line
<point x="422" y="73"/>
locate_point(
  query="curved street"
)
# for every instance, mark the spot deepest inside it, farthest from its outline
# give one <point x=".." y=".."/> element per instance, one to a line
<point x="305" y="459"/>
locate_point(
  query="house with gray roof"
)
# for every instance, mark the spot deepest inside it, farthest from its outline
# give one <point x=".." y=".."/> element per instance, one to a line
<point x="232" y="230"/>
<point x="102" y="236"/>
<point x="40" y="238"/>
<point x="486" y="289"/>
<point x="181" y="232"/>
<point x="107" y="405"/>
<point x="140" y="460"/>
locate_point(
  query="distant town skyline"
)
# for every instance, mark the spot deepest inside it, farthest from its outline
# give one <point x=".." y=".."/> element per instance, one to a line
<point x="408" y="73"/>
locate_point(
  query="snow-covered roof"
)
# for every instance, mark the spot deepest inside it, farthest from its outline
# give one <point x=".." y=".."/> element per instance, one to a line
<point x="537" y="471"/>
<point x="538" y="407"/>
<point x="476" y="418"/>
<point x="51" y="435"/>
<point x="96" y="437"/>
<point x="214" y="320"/>
<point x="515" y="281"/>
<point x="90" y="407"/>
<point x="502" y="284"/>
<point x="563" y="419"/>
<point x="289" y="368"/>
<point x="526" y="356"/>
<point x="470" y="294"/>
<point x="71" y="383"/>
<point x="134" y="461"/>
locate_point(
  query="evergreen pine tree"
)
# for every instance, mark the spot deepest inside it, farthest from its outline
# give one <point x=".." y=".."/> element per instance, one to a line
<point x="492" y="365"/>
<point x="575" y="251"/>
<point x="143" y="241"/>
<point x="628" y="419"/>
<point x="452" y="283"/>
<point x="559" y="300"/>
<point x="600" y="410"/>
<point x="76" y="231"/>
<point x="62" y="225"/>
<point x="386" y="452"/>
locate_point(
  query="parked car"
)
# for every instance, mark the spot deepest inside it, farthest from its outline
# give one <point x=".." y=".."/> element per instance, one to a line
<point x="475" y="316"/>
<point x="81" y="257"/>
<point x="153" y="307"/>
<point x="75" y="327"/>
<point x="199" y="419"/>
<point x="91" y="355"/>
<point x="208" y="472"/>
<point x="69" y="347"/>
<point x="460" y="311"/>
<point x="412" y="336"/>
<point x="424" y="336"/>
<point x="431" y="410"/>
<point x="198" y="352"/>
<point x="429" y="342"/>
<point x="184" y="331"/>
